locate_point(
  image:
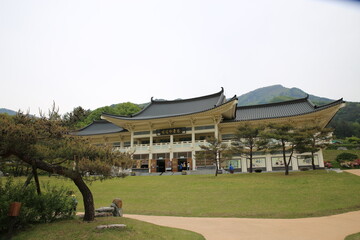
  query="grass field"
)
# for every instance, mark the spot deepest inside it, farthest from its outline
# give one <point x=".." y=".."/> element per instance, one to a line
<point x="265" y="195"/>
<point x="77" y="229"/>
<point x="355" y="236"/>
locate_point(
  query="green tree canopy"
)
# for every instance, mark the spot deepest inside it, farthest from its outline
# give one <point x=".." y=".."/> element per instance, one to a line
<point x="314" y="139"/>
<point x="124" y="109"/>
<point x="215" y="151"/>
<point x="248" y="140"/>
<point x="284" y="138"/>
<point x="44" y="144"/>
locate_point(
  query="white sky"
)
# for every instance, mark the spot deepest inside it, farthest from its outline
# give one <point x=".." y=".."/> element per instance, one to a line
<point x="96" y="53"/>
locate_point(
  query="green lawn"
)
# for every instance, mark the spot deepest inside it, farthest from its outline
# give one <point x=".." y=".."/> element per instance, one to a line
<point x="265" y="195"/>
<point x="77" y="229"/>
<point x="355" y="236"/>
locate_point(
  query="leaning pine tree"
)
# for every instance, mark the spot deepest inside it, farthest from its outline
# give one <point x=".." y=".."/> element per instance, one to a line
<point x="44" y="144"/>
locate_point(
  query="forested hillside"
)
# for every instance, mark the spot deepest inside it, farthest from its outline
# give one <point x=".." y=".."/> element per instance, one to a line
<point x="7" y="111"/>
<point x="277" y="93"/>
<point x="80" y="117"/>
<point x="346" y="122"/>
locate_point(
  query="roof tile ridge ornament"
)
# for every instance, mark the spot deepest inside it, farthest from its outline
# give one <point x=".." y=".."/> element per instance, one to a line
<point x="331" y="103"/>
<point x="310" y="102"/>
<point x="221" y="98"/>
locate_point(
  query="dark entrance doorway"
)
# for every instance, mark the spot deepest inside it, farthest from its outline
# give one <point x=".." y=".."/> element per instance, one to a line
<point x="160" y="165"/>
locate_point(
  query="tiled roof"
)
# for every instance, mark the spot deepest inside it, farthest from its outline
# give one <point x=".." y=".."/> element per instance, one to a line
<point x="98" y="127"/>
<point x="279" y="110"/>
<point x="161" y="109"/>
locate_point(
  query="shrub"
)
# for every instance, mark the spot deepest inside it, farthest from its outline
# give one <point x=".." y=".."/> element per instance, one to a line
<point x="351" y="164"/>
<point x="347" y="146"/>
<point x="328" y="164"/>
<point x="342" y="157"/>
<point x="53" y="203"/>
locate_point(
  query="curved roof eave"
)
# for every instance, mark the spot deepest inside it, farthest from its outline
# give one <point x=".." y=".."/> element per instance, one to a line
<point x="316" y="109"/>
<point x="79" y="131"/>
<point x="166" y="116"/>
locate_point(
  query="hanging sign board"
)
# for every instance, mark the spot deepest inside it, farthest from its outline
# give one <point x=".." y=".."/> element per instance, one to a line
<point x="170" y="131"/>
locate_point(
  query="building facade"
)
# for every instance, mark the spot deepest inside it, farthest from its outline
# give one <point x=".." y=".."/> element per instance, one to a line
<point x="165" y="135"/>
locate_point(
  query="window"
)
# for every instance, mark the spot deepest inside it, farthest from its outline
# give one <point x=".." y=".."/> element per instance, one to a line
<point x="257" y="163"/>
<point x="204" y="127"/>
<point x="279" y="161"/>
<point x="182" y="155"/>
<point x="306" y="160"/>
<point x="142" y="133"/>
<point x="227" y="136"/>
<point x="161" y="155"/>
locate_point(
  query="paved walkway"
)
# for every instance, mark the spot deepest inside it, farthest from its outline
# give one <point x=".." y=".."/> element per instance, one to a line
<point x="335" y="227"/>
<point x="353" y="171"/>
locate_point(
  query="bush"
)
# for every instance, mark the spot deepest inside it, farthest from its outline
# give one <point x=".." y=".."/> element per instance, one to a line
<point x="347" y="146"/>
<point x="328" y="164"/>
<point x="342" y="157"/>
<point x="54" y="203"/>
<point x="349" y="164"/>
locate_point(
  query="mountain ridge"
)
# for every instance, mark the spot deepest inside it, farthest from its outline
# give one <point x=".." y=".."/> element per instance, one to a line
<point x="277" y="93"/>
<point x="8" y="111"/>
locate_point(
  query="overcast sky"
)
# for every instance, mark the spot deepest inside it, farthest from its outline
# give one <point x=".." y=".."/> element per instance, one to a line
<point x="96" y="53"/>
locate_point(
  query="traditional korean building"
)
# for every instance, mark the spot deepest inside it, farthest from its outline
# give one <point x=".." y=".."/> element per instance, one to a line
<point x="167" y="134"/>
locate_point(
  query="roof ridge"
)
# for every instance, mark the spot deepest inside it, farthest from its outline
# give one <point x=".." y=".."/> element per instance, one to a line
<point x="330" y="103"/>
<point x="83" y="128"/>
<point x="177" y="115"/>
<point x="188" y="99"/>
<point x="277" y="103"/>
<point x="93" y="122"/>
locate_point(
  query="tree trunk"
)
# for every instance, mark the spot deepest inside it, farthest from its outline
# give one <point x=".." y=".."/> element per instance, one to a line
<point x="251" y="159"/>
<point x="36" y="178"/>
<point x="28" y="180"/>
<point x="313" y="160"/>
<point x="286" y="169"/>
<point x="284" y="158"/>
<point x="87" y="197"/>
<point x="216" y="165"/>
<point x="76" y="178"/>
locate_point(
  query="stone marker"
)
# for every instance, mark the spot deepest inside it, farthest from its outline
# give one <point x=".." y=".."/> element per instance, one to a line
<point x="115" y="209"/>
<point x="111" y="226"/>
<point x="117" y="206"/>
<point x="105" y="209"/>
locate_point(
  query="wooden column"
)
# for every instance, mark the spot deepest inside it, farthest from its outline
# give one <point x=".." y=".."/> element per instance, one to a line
<point x="152" y="166"/>
<point x="174" y="165"/>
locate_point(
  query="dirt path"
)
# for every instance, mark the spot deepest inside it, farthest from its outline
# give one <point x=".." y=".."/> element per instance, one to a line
<point x="353" y="171"/>
<point x="335" y="227"/>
